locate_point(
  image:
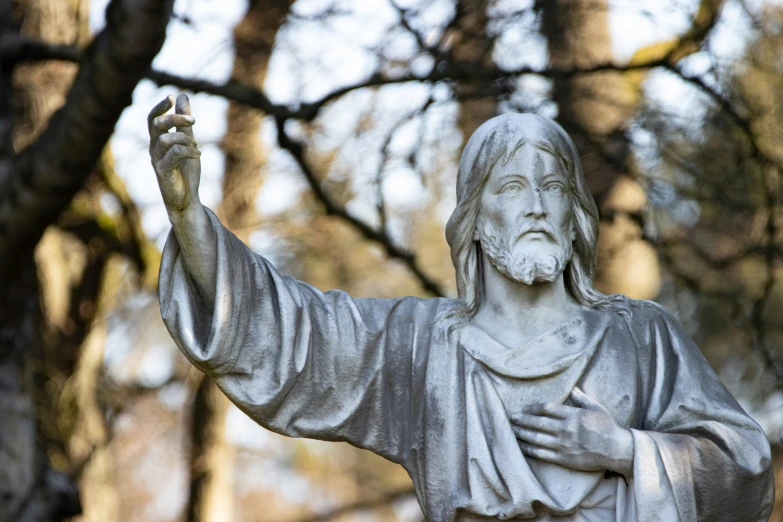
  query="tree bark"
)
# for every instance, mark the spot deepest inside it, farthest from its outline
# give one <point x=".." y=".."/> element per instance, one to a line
<point x="473" y="45"/>
<point x="254" y="38"/>
<point x="595" y="110"/>
<point x="87" y="443"/>
<point x="40" y="181"/>
<point x="40" y="89"/>
<point x="211" y="459"/>
<point x="35" y="186"/>
<point x="29" y="489"/>
<point x="72" y="283"/>
<point x="211" y="486"/>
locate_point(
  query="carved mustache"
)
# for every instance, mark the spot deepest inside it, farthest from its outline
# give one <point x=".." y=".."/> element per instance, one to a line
<point x="542" y="227"/>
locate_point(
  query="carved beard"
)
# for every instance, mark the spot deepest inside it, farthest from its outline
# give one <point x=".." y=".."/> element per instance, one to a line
<point x="524" y="268"/>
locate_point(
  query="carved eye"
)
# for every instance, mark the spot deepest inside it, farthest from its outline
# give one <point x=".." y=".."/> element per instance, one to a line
<point x="555" y="186"/>
<point x="511" y="188"/>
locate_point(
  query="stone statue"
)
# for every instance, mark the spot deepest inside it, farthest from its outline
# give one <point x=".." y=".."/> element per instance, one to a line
<point x="532" y="396"/>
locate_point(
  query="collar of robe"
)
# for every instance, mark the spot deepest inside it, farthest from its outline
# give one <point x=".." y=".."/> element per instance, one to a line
<point x="563" y="347"/>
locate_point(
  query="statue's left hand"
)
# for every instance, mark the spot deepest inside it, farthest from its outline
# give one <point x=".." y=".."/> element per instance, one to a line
<point x="585" y="438"/>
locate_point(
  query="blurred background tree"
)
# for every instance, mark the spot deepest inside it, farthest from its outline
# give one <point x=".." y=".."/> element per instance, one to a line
<point x="331" y="131"/>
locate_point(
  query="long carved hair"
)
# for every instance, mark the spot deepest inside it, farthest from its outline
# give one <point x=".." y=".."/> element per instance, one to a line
<point x="497" y="140"/>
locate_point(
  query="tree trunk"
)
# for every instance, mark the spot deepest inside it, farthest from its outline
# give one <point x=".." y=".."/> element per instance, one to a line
<point x="87" y="443"/>
<point x="40" y="181"/>
<point x="211" y="486"/>
<point x="211" y="459"/>
<point x="595" y="109"/>
<point x="40" y="89"/>
<point x="473" y="45"/>
<point x="36" y="184"/>
<point x="254" y="38"/>
<point x="75" y="288"/>
<point x="29" y="488"/>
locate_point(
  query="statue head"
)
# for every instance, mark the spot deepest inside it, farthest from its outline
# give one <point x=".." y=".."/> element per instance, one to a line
<point x="529" y="245"/>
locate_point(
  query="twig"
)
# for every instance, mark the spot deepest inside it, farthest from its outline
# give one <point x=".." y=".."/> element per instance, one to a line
<point x="296" y="150"/>
<point x="361" y="505"/>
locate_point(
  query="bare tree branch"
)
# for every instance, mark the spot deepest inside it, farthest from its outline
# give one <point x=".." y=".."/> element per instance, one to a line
<point x="703" y="22"/>
<point x="771" y="185"/>
<point x="409" y="259"/>
<point x="692" y="40"/>
<point x="308" y="111"/>
<point x="143" y="253"/>
<point x="11" y="49"/>
<point x="361" y="505"/>
<point x="14" y="47"/>
<point x="44" y="177"/>
<point x="233" y="91"/>
<point x="751" y="321"/>
<point x="500" y="80"/>
<point x="405" y="23"/>
<point x="380" y="202"/>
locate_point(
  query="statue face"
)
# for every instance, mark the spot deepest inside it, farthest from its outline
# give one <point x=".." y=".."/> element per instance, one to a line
<point x="525" y="215"/>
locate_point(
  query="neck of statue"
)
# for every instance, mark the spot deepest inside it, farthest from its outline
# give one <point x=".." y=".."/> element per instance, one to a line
<point x="505" y="301"/>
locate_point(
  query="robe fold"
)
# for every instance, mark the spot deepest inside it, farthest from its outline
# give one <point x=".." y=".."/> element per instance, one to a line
<point x="391" y="376"/>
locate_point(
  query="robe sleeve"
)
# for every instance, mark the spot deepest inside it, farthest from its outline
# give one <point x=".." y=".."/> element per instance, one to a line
<point x="298" y="361"/>
<point x="698" y="455"/>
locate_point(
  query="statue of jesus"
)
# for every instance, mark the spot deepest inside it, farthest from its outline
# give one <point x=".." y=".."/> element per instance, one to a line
<point x="531" y="396"/>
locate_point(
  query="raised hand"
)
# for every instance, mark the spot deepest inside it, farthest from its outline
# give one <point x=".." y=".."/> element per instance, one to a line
<point x="585" y="438"/>
<point x="175" y="158"/>
<point x="175" y="155"/>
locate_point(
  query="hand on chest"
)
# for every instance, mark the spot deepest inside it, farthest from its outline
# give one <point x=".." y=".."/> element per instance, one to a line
<point x="548" y="367"/>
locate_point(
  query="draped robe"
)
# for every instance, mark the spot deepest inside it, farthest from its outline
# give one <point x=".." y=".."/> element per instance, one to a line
<point x="391" y="376"/>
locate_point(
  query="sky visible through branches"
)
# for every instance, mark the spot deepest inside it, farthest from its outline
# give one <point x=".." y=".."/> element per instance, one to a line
<point x="401" y="163"/>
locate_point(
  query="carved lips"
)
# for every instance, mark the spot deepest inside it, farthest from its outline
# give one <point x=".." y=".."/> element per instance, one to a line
<point x="541" y="229"/>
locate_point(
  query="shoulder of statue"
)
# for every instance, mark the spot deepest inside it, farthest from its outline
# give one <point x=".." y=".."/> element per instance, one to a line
<point x="647" y="319"/>
<point x="645" y="310"/>
<point x="642" y="317"/>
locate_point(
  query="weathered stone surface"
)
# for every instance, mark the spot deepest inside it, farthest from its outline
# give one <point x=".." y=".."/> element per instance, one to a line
<point x="531" y="396"/>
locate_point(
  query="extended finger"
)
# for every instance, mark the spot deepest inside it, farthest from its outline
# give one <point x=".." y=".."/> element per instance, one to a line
<point x="183" y="107"/>
<point x="161" y="108"/>
<point x="538" y="423"/>
<point x="537" y="438"/>
<point x="163" y="123"/>
<point x="551" y="409"/>
<point x="585" y="401"/>
<point x="174" y="155"/>
<point x="169" y="139"/>
<point x="545" y="454"/>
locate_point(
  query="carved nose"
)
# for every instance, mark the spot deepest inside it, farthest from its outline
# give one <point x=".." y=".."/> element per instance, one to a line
<point x="537" y="205"/>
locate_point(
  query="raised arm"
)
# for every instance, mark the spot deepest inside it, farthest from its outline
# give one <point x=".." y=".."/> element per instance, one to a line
<point x="175" y="158"/>
<point x="298" y="361"/>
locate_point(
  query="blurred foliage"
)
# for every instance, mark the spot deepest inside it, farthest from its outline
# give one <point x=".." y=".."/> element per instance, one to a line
<point x="699" y="188"/>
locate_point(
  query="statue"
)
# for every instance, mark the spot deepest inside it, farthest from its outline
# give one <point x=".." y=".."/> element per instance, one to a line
<point x="532" y="396"/>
